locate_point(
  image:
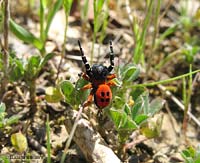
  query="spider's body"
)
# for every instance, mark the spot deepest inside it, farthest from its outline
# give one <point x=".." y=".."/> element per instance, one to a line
<point x="100" y="80"/>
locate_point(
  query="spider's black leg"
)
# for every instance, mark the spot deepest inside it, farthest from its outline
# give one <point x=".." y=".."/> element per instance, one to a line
<point x="111" y="58"/>
<point x="84" y="59"/>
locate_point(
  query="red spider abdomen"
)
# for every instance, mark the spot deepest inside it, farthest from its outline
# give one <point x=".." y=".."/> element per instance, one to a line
<point x="103" y="96"/>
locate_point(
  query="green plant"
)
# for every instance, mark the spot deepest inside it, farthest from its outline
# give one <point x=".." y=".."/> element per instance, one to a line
<point x="6" y="121"/>
<point x="99" y="19"/>
<point x="191" y="155"/>
<point x="126" y="117"/>
<point x="28" y="70"/>
<point x="185" y="24"/>
<point x="132" y="114"/>
<point x="45" y="22"/>
<point x="140" y="33"/>
<point x="187" y="93"/>
<point x="19" y="142"/>
<point x="48" y="141"/>
<point x="4" y="159"/>
<point x="4" y="46"/>
<point x="67" y="7"/>
<point x="84" y="11"/>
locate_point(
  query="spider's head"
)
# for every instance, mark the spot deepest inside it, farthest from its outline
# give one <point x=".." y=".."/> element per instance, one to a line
<point x="99" y="72"/>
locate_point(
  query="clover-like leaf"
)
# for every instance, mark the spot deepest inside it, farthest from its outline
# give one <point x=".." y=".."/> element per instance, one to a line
<point x="155" y="106"/>
<point x="130" y="73"/>
<point x="67" y="89"/>
<point x="19" y="142"/>
<point x="53" y="95"/>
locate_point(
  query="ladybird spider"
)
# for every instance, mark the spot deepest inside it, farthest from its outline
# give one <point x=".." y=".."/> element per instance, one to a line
<point x="100" y="80"/>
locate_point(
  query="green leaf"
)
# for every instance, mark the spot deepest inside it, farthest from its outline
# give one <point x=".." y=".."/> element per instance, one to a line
<point x="187" y="156"/>
<point x="2" y="107"/>
<point x="80" y="95"/>
<point x="2" y="114"/>
<point x="127" y="109"/>
<point x="121" y="120"/>
<point x="190" y="154"/>
<point x="43" y="3"/>
<point x="190" y="51"/>
<point x="152" y="127"/>
<point x="67" y="89"/>
<point x="51" y="15"/>
<point x="19" y="142"/>
<point x="84" y="11"/>
<point x="137" y="108"/>
<point x="13" y="119"/>
<point x="118" y="102"/>
<point x="53" y="95"/>
<point x="46" y="58"/>
<point x="155" y="106"/>
<point x="129" y="125"/>
<point x="4" y="159"/>
<point x="130" y="73"/>
<point x="116" y="116"/>
<point x="136" y="92"/>
<point x="32" y="67"/>
<point x="24" y="35"/>
<point x="17" y="69"/>
<point x="166" y="33"/>
<point x="145" y="98"/>
<point x="141" y="105"/>
<point x="99" y="5"/>
<point x="149" y="130"/>
<point x="140" y="118"/>
<point x="67" y="6"/>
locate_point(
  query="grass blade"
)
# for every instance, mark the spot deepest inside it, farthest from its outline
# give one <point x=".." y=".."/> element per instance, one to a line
<point x="48" y="141"/>
<point x="51" y="14"/>
<point x="25" y="35"/>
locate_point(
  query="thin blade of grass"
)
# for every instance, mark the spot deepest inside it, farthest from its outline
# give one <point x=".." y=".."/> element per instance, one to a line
<point x="165" y="81"/>
<point x="138" y="54"/>
<point x="51" y="14"/>
<point x="48" y="141"/>
<point x="67" y="5"/>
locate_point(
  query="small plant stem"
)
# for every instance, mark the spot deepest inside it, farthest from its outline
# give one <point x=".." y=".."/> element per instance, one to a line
<point x="95" y="31"/>
<point x="164" y="81"/>
<point x="5" y="48"/>
<point x="63" y="46"/>
<point x="48" y="140"/>
<point x="32" y="89"/>
<point x="6" y="25"/>
<point x="152" y="48"/>
<point x="166" y="9"/>
<point x="71" y="134"/>
<point x="187" y="97"/>
<point x="156" y="23"/>
<point x="169" y="57"/>
<point x="42" y="32"/>
<point x="156" y="29"/>
<point x="105" y="24"/>
<point x="138" y="52"/>
<point x="92" y="51"/>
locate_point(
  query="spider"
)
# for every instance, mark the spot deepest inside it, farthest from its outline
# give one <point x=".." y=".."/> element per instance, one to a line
<point x="100" y="79"/>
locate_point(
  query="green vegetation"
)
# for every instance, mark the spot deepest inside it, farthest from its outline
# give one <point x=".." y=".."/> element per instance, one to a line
<point x="191" y="155"/>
